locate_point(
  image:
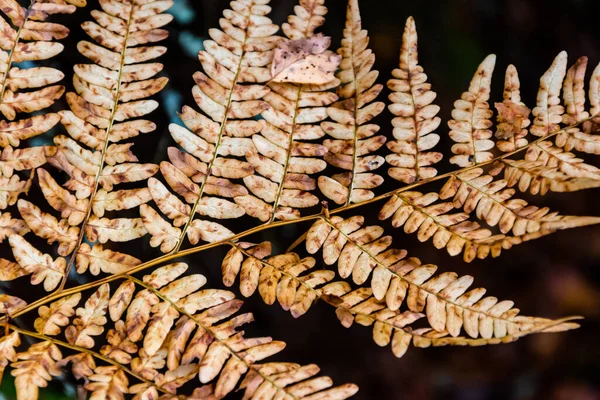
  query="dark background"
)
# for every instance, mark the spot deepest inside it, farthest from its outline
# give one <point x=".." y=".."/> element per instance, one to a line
<point x="551" y="277"/>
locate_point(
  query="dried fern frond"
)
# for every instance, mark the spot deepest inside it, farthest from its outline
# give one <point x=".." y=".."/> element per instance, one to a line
<point x="443" y="299"/>
<point x="352" y="135"/>
<point x="471" y="119"/>
<point x="281" y="158"/>
<point x="265" y="104"/>
<point x="284" y="278"/>
<point x="486" y="321"/>
<point x="27" y="36"/>
<point x="111" y="96"/>
<point x="512" y="118"/>
<point x="229" y="93"/>
<point x="547" y="167"/>
<point x="476" y="196"/>
<point x="164" y="335"/>
<point x="416" y="116"/>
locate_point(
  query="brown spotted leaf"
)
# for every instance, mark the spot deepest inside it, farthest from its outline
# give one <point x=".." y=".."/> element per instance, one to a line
<point x="304" y="61"/>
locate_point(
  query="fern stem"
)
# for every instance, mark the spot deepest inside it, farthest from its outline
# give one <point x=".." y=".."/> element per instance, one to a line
<point x="111" y="122"/>
<point x="88" y="352"/>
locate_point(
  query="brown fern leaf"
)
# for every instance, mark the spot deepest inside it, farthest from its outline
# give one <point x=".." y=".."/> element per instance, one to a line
<point x="27" y="36"/>
<point x="458" y="232"/>
<point x="512" y="115"/>
<point x="166" y="334"/>
<point x="485" y="320"/>
<point x="284" y="278"/>
<point x="549" y="167"/>
<point x="35" y="367"/>
<point x="229" y="93"/>
<point x="396" y="280"/>
<point x="548" y="111"/>
<point x="422" y="214"/>
<point x="281" y="157"/>
<point x="10" y="304"/>
<point x="8" y="353"/>
<point x="416" y="116"/>
<point x="353" y="140"/>
<point x="493" y="203"/>
<point x="111" y="96"/>
<point x="471" y="119"/>
<point x="360" y="251"/>
<point x="364" y="253"/>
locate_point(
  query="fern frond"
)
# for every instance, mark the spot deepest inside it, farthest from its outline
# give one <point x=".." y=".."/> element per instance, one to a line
<point x="352" y="136"/>
<point x="110" y="97"/>
<point x="27" y="37"/>
<point x="8" y="353"/>
<point x="229" y="93"/>
<point x="471" y="119"/>
<point x="513" y="115"/>
<point x="10" y="304"/>
<point x="282" y="159"/>
<point x="481" y="197"/>
<point x="547" y="167"/>
<point x="416" y="116"/>
<point x="486" y="321"/>
<point x="396" y="280"/>
<point x="284" y="278"/>
<point x="35" y="368"/>
<point x="548" y="111"/>
<point x="165" y="334"/>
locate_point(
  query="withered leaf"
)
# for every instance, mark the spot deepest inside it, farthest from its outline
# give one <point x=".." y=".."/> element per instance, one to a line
<point x="57" y="315"/>
<point x="511" y="118"/>
<point x="98" y="259"/>
<point x="10" y="304"/>
<point x="42" y="267"/>
<point x="304" y="61"/>
<point x="90" y="319"/>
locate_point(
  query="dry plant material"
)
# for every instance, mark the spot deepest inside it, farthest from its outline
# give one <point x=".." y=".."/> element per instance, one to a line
<point x="110" y="97"/>
<point x="455" y="316"/>
<point x="352" y="136"/>
<point x="271" y="116"/>
<point x="229" y="92"/>
<point x="282" y="157"/>
<point x="512" y="115"/>
<point x="27" y="36"/>
<point x="304" y="61"/>
<point x="471" y="119"/>
<point x="165" y="330"/>
<point x="416" y="116"/>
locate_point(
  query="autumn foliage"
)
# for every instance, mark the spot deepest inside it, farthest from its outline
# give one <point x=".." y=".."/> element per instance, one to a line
<point x="283" y="131"/>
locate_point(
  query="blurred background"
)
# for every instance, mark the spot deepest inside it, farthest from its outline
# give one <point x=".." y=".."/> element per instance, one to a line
<point x="554" y="276"/>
